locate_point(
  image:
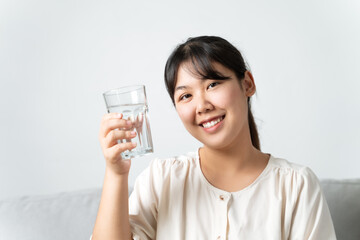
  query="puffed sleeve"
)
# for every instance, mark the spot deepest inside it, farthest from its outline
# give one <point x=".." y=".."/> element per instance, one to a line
<point x="311" y="216"/>
<point x="143" y="202"/>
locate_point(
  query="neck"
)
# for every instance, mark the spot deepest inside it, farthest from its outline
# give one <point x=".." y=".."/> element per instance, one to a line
<point x="230" y="159"/>
<point x="232" y="167"/>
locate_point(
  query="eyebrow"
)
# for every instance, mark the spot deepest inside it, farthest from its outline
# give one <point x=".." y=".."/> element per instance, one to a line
<point x="180" y="88"/>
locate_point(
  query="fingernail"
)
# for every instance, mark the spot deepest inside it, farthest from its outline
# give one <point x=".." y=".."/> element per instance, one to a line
<point x="128" y="122"/>
<point x="119" y="115"/>
<point x="132" y="133"/>
<point x="134" y="144"/>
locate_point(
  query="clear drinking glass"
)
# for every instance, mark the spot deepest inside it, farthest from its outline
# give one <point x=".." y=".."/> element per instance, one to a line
<point x="132" y="103"/>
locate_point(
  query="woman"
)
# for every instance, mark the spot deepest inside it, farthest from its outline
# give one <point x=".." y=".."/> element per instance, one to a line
<point x="227" y="189"/>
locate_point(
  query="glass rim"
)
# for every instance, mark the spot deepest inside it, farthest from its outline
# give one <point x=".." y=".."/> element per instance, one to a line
<point x="124" y="89"/>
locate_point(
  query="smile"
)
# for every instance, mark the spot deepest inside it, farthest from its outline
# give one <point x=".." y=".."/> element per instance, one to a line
<point x="212" y="123"/>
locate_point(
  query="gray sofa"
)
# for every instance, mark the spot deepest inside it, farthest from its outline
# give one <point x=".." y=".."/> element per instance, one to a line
<point x="72" y="215"/>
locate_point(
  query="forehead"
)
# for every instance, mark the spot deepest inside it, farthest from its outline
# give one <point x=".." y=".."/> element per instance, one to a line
<point x="187" y="75"/>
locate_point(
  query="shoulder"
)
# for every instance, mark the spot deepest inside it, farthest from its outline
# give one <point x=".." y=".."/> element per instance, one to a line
<point x="299" y="176"/>
<point x="308" y="213"/>
<point x="176" y="164"/>
<point x="285" y="167"/>
<point x="161" y="169"/>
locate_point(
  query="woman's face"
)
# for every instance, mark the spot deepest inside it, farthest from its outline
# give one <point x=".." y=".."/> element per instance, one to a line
<point x="214" y="111"/>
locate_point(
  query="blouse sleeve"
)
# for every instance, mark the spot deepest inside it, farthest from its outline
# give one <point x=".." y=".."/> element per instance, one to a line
<point x="143" y="202"/>
<point x="311" y="216"/>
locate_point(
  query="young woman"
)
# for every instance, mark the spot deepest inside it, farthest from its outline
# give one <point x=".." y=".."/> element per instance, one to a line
<point x="228" y="188"/>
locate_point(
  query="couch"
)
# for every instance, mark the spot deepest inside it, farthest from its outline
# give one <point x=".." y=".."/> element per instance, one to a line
<point x="71" y="215"/>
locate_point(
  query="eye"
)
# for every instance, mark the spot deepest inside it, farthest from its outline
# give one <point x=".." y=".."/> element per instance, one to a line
<point x="213" y="84"/>
<point x="184" y="96"/>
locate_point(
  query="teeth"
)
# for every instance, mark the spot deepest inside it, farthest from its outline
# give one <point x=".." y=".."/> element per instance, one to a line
<point x="212" y="123"/>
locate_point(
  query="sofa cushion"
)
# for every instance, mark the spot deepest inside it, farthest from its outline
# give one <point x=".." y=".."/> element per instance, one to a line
<point x="60" y="216"/>
<point x="72" y="215"/>
<point x="343" y="198"/>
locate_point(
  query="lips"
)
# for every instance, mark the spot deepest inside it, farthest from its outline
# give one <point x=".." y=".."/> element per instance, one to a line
<point x="211" y="122"/>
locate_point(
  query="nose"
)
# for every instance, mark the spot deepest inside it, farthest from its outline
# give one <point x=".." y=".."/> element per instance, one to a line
<point x="203" y="105"/>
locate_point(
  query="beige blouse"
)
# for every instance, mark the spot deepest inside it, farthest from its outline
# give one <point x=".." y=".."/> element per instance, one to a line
<point x="173" y="200"/>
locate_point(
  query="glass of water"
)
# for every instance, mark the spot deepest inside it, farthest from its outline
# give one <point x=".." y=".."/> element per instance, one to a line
<point x="132" y="103"/>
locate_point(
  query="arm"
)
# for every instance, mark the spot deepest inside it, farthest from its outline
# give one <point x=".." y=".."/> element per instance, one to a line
<point x="112" y="221"/>
<point x="311" y="216"/>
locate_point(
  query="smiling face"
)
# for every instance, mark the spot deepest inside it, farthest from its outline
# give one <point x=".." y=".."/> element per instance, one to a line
<point x="214" y="111"/>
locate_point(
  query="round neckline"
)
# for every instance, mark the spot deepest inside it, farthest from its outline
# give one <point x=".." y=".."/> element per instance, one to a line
<point x="221" y="191"/>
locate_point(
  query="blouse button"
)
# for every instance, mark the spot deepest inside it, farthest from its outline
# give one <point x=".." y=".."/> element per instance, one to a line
<point x="218" y="238"/>
<point x="222" y="199"/>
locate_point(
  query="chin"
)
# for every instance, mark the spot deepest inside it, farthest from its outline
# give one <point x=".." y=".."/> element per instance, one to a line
<point x="218" y="143"/>
<point x="217" y="146"/>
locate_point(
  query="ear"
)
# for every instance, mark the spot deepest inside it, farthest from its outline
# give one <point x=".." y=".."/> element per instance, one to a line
<point x="248" y="84"/>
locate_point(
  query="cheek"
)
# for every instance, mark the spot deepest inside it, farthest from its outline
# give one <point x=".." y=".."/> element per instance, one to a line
<point x="186" y="114"/>
<point x="226" y="99"/>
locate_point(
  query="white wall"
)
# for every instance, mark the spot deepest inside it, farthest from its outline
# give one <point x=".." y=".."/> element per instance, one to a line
<point x="57" y="57"/>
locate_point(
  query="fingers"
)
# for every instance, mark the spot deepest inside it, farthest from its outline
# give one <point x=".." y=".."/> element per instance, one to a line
<point x="115" y="135"/>
<point x="112" y="154"/>
<point x="115" y="138"/>
<point x="111" y="122"/>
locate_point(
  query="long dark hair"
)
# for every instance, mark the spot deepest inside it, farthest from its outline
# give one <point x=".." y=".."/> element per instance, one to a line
<point x="201" y="52"/>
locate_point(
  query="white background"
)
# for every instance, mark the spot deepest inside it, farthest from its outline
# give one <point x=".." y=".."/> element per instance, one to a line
<point x="58" y="57"/>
